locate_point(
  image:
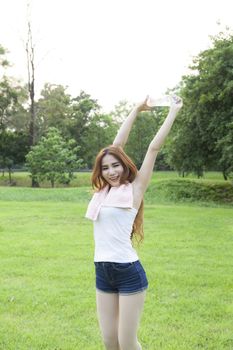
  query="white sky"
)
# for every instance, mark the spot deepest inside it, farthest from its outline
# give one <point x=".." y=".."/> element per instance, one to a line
<point x="111" y="49"/>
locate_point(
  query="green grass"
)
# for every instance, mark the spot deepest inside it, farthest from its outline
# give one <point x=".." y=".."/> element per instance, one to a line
<point x="206" y="193"/>
<point x="165" y="186"/>
<point x="22" y="179"/>
<point x="47" y="292"/>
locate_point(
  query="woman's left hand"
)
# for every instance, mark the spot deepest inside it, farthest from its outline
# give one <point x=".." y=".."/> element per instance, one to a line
<point x="176" y="102"/>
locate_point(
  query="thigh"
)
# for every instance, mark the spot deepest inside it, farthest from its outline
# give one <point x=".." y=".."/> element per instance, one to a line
<point x="130" y="278"/>
<point x="130" y="310"/>
<point x="108" y="313"/>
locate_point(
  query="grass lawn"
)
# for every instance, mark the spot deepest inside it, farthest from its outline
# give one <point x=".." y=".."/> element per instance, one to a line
<point x="47" y="292"/>
<point x="83" y="178"/>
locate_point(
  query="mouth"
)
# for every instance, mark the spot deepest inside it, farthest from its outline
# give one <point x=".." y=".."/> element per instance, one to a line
<point x="114" y="179"/>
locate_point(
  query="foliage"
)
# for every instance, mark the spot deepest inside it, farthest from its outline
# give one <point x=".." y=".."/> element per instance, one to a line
<point x="3" y="60"/>
<point x="202" y="135"/>
<point x="143" y="131"/>
<point x="91" y="129"/>
<point x="53" y="159"/>
<point x="120" y="112"/>
<point x="99" y="134"/>
<point x="187" y="190"/>
<point x="13" y="114"/>
<point x="52" y="109"/>
<point x="13" y="147"/>
<point x="13" y="95"/>
<point x="201" y="138"/>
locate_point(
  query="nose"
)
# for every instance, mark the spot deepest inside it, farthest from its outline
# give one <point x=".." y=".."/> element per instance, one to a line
<point x="111" y="170"/>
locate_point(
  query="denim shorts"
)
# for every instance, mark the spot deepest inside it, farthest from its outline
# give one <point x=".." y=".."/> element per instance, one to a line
<point x="122" y="278"/>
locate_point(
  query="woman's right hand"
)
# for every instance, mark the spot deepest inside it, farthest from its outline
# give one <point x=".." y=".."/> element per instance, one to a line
<point x="142" y="106"/>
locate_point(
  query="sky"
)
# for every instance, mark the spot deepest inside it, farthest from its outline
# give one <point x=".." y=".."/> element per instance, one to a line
<point x="112" y="49"/>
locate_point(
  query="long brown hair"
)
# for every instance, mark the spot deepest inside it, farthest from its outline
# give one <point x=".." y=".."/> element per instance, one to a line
<point x="129" y="174"/>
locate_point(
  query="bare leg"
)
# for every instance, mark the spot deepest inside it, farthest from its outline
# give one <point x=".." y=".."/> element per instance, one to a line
<point x="130" y="309"/>
<point x="108" y="315"/>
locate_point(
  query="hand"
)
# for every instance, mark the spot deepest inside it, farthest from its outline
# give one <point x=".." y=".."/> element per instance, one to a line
<point x="142" y="106"/>
<point x="176" y="102"/>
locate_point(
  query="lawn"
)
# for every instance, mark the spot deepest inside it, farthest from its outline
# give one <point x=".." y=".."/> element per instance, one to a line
<point x="23" y="179"/>
<point x="47" y="293"/>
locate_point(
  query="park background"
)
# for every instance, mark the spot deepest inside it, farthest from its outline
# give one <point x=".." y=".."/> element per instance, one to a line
<point x="49" y="135"/>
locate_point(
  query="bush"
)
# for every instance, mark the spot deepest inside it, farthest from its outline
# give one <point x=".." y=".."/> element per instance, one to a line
<point x="192" y="190"/>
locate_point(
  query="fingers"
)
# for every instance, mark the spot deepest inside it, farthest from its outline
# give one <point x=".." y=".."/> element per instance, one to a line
<point x="176" y="99"/>
<point x="147" y="108"/>
<point x="143" y="106"/>
<point x="176" y="102"/>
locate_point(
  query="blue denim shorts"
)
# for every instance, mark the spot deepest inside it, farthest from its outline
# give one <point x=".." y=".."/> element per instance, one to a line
<point x="122" y="278"/>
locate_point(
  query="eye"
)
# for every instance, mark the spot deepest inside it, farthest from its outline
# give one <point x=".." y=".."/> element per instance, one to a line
<point x="116" y="165"/>
<point x="104" y="168"/>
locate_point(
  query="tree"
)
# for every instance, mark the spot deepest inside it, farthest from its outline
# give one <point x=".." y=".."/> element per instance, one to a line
<point x="13" y="139"/>
<point x="12" y="97"/>
<point x="30" y="51"/>
<point x="100" y="133"/>
<point x="13" y="148"/>
<point x="121" y="111"/>
<point x="202" y="133"/>
<point x="13" y="115"/>
<point x="3" y="60"/>
<point x="53" y="159"/>
<point x="82" y="110"/>
<point x="143" y="131"/>
<point x="53" y="109"/>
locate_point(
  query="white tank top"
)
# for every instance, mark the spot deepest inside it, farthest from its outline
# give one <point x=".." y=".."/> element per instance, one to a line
<point x="112" y="231"/>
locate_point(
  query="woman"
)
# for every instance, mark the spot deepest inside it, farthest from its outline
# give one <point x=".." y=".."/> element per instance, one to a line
<point x="117" y="211"/>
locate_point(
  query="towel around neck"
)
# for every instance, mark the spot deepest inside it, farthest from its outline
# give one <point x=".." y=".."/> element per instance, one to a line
<point x="120" y="196"/>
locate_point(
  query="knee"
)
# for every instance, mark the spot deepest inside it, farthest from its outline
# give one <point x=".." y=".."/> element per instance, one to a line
<point x="111" y="342"/>
<point x="129" y="344"/>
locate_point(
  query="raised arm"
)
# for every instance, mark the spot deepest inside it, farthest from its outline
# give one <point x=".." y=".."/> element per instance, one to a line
<point x="123" y="133"/>
<point x="145" y="172"/>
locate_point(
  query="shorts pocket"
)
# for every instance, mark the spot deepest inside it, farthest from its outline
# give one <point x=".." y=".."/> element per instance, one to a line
<point x="123" y="266"/>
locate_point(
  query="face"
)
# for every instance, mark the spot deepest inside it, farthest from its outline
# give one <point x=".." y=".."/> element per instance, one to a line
<point x="112" y="170"/>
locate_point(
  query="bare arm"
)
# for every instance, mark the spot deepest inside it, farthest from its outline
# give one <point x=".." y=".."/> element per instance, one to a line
<point x="161" y="135"/>
<point x="123" y="133"/>
<point x="145" y="172"/>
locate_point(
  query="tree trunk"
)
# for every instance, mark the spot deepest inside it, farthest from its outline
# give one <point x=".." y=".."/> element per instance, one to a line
<point x="10" y="178"/>
<point x="224" y="175"/>
<point x="31" y="90"/>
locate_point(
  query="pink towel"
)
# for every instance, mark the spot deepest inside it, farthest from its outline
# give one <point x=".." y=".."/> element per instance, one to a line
<point x="121" y="197"/>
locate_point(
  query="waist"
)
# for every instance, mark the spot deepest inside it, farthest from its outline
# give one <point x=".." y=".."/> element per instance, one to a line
<point x="115" y="254"/>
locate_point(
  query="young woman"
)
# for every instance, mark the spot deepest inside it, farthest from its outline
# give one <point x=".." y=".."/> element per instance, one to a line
<point x="117" y="212"/>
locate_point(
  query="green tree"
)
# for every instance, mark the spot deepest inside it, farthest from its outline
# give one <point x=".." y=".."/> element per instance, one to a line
<point x="53" y="159"/>
<point x="143" y="131"/>
<point x="3" y="60"/>
<point x="13" y="148"/>
<point x="83" y="108"/>
<point x="13" y="139"/>
<point x="12" y="99"/>
<point x="79" y="124"/>
<point x="13" y="95"/>
<point x="52" y="109"/>
<point x="202" y="134"/>
<point x="100" y="133"/>
<point x="184" y="147"/>
<point x="121" y="111"/>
